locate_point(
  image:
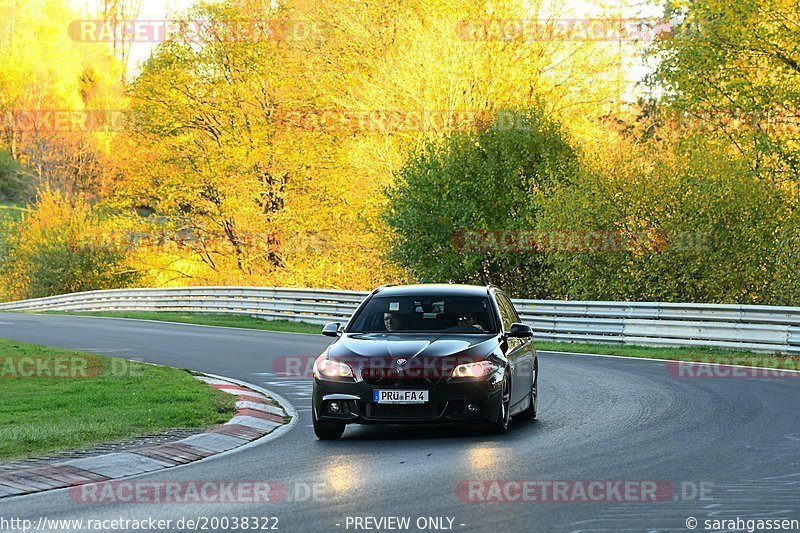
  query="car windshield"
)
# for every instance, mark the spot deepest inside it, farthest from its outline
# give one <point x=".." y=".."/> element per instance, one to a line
<point x="450" y="314"/>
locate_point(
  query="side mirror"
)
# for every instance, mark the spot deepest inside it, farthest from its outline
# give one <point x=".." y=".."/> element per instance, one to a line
<point x="331" y="330"/>
<point x="520" y="331"/>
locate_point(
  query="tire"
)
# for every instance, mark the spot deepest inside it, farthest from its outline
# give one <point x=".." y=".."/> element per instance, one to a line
<point x="327" y="430"/>
<point x="501" y="425"/>
<point x="530" y="412"/>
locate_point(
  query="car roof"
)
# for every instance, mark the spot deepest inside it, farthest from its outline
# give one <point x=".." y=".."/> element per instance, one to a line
<point x="431" y="289"/>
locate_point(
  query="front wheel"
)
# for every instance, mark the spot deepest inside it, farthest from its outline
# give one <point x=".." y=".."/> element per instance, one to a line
<point x="327" y="430"/>
<point x="501" y="426"/>
<point x="530" y="412"/>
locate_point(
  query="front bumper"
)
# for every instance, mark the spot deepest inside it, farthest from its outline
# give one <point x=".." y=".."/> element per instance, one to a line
<point x="447" y="402"/>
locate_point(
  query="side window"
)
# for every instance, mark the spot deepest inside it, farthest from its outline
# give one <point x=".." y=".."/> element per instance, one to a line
<point x="511" y="309"/>
<point x="507" y="308"/>
<point x="506" y="315"/>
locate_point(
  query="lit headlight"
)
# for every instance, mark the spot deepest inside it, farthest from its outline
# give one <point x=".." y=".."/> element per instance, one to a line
<point x="331" y="369"/>
<point x="474" y="370"/>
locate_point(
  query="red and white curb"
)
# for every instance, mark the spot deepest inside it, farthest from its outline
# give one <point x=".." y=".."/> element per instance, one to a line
<point x="256" y="416"/>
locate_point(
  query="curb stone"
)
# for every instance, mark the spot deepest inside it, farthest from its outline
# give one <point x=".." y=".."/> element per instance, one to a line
<point x="257" y="415"/>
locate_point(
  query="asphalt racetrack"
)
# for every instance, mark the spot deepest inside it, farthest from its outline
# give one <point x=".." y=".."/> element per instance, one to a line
<point x="713" y="448"/>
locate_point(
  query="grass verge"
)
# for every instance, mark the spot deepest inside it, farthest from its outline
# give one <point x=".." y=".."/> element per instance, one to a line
<point x="210" y="319"/>
<point x="74" y="400"/>
<point x="715" y="355"/>
<point x="700" y="353"/>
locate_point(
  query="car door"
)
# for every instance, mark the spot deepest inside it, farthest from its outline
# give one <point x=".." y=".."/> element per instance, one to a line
<point x="517" y="351"/>
<point x="526" y="364"/>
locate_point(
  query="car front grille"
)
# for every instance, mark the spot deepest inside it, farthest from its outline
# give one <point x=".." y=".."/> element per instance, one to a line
<point x="410" y="379"/>
<point x="420" y="412"/>
<point x="386" y="377"/>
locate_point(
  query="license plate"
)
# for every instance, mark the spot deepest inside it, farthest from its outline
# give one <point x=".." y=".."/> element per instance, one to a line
<point x="400" y="396"/>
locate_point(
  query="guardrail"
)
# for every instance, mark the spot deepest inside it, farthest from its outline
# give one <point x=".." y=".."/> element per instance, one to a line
<point x="747" y="327"/>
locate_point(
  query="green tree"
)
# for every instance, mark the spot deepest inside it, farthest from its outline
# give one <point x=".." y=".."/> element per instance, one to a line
<point x="692" y="223"/>
<point x="733" y="69"/>
<point x="496" y="178"/>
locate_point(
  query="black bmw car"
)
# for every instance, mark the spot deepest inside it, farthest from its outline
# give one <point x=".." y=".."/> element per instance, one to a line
<point x="427" y="354"/>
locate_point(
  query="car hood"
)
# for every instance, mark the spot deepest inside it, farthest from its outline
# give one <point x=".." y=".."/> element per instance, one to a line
<point x="359" y="346"/>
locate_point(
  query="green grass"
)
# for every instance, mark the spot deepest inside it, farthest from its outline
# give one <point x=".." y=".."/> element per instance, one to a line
<point x="716" y="355"/>
<point x="99" y="400"/>
<point x="210" y="319"/>
<point x="700" y="353"/>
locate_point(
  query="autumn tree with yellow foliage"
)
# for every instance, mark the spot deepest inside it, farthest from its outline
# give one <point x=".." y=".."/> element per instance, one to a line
<point x="260" y="140"/>
<point x="49" y="85"/>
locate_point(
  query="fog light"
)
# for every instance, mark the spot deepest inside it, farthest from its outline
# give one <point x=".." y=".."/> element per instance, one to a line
<point x="472" y="409"/>
<point x="334" y="407"/>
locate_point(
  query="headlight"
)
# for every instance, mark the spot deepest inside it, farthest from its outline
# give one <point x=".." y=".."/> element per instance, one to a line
<point x="474" y="370"/>
<point x="331" y="369"/>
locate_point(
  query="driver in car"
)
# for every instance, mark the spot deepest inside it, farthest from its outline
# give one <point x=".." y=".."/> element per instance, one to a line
<point x="393" y="322"/>
<point x="470" y="320"/>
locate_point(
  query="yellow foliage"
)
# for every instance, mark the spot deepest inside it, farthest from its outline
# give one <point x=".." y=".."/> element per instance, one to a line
<point x="60" y="246"/>
<point x="206" y="148"/>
